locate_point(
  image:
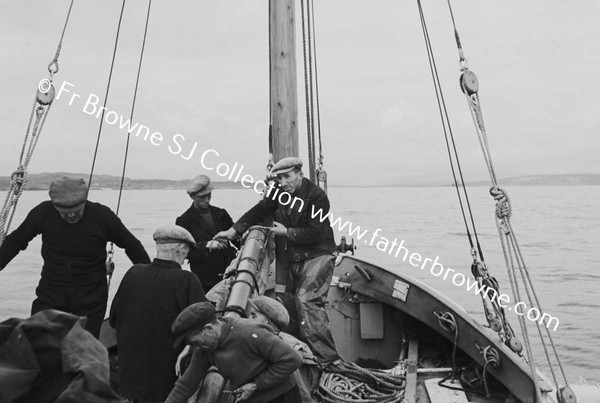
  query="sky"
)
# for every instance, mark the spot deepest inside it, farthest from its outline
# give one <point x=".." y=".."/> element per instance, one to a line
<point x="205" y="77"/>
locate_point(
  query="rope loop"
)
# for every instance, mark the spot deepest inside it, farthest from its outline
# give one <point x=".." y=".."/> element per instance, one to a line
<point x="503" y="207"/>
<point x="53" y="67"/>
<point x="447" y="321"/>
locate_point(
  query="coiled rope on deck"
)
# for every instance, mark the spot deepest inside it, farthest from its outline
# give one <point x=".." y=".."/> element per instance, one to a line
<point x="346" y="382"/>
<point x="41" y="108"/>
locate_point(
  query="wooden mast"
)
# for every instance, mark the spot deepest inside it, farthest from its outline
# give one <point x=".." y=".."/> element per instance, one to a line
<point x="283" y="81"/>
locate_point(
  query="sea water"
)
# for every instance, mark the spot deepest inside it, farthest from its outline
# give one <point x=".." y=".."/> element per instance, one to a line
<point x="558" y="229"/>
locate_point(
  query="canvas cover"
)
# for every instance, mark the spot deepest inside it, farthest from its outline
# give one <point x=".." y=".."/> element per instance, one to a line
<point x="49" y="357"/>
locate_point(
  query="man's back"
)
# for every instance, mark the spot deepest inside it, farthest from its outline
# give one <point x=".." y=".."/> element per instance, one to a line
<point x="148" y="300"/>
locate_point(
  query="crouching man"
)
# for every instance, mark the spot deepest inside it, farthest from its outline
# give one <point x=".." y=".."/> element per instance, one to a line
<point x="257" y="364"/>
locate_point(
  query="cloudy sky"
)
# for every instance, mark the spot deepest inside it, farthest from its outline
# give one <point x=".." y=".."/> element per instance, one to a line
<point x="205" y="77"/>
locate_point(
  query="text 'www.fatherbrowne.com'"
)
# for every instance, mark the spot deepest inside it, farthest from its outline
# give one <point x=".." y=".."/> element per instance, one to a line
<point x="398" y="250"/>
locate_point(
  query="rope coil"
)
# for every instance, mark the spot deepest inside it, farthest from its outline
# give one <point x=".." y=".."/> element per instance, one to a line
<point x="349" y="383"/>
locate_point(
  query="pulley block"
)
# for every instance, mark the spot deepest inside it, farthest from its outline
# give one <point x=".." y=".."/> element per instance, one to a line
<point x="469" y="83"/>
<point x="45" y="92"/>
<point x="566" y="395"/>
<point x="514" y="344"/>
<point x="495" y="324"/>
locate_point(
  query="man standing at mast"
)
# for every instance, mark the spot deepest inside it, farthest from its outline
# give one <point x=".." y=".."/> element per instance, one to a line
<point x="310" y="248"/>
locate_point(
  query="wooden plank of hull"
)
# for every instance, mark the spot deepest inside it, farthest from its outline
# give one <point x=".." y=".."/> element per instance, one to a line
<point x="420" y="303"/>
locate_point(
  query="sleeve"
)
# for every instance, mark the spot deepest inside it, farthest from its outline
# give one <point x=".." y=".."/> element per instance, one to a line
<point x="18" y="240"/>
<point x="195" y="290"/>
<point x="228" y="223"/>
<point x="256" y="214"/>
<point x="120" y="235"/>
<point x="282" y="359"/>
<point x="187" y="384"/>
<point x="112" y="318"/>
<point x="317" y="224"/>
<point x="194" y="253"/>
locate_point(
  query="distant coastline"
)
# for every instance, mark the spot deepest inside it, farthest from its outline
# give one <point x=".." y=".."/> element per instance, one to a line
<point x="42" y="181"/>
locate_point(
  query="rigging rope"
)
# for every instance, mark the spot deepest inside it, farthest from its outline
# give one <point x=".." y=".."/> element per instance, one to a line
<point x="511" y="249"/>
<point x="493" y="312"/>
<point x="311" y="88"/>
<point x="321" y="174"/>
<point x="308" y="97"/>
<point x="112" y="65"/>
<point x="137" y="80"/>
<point x="41" y="108"/>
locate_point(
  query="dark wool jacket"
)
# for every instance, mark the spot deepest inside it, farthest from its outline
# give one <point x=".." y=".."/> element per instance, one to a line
<point x="205" y="263"/>
<point x="307" y="235"/>
<point x="248" y="352"/>
<point x="149" y="299"/>
<point x="74" y="254"/>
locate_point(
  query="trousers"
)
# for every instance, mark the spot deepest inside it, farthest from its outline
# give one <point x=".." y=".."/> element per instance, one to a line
<point x="309" y="284"/>
<point x="87" y="300"/>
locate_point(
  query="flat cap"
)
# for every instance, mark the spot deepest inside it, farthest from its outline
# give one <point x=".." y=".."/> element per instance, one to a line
<point x="199" y="186"/>
<point x="286" y="165"/>
<point x="192" y="318"/>
<point x="272" y="309"/>
<point x="173" y="234"/>
<point x="68" y="192"/>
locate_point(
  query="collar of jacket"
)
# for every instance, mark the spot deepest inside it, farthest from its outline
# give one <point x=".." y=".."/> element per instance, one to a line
<point x="167" y="264"/>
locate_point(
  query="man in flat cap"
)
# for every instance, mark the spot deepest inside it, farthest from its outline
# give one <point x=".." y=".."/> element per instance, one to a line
<point x="149" y="299"/>
<point x="203" y="221"/>
<point x="272" y="312"/>
<point x="257" y="363"/>
<point x="308" y="252"/>
<point x="75" y="232"/>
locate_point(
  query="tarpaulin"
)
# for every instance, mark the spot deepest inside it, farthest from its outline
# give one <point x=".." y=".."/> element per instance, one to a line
<point x="51" y="358"/>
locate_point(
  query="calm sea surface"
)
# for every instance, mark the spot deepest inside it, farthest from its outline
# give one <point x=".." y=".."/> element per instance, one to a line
<point x="558" y="228"/>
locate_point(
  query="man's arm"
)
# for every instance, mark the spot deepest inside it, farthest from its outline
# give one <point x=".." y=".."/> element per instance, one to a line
<point x="282" y="359"/>
<point x="120" y="235"/>
<point x="18" y="240"/>
<point x="187" y="384"/>
<point x="316" y="230"/>
<point x="255" y="215"/>
<point x="194" y="253"/>
<point x="228" y="223"/>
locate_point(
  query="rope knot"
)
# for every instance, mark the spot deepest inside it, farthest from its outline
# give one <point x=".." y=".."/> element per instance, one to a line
<point x="19" y="176"/>
<point x="503" y="207"/>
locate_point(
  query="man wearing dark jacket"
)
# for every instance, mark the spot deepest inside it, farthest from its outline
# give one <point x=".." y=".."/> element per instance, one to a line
<point x="203" y="221"/>
<point x="74" y="236"/>
<point x="257" y="363"/>
<point x="300" y="210"/>
<point x="149" y="299"/>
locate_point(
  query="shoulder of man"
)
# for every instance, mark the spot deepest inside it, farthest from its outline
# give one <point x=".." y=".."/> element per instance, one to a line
<point x="99" y="208"/>
<point x="311" y="190"/>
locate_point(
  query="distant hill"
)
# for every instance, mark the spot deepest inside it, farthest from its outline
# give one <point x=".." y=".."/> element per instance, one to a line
<point x="527" y="180"/>
<point x="42" y="182"/>
<point x="547" y="180"/>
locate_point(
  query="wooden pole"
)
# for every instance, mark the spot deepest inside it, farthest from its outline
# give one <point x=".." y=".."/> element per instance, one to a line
<point x="284" y="92"/>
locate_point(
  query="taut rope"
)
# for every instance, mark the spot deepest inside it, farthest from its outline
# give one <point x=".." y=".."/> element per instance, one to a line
<point x="41" y="108"/>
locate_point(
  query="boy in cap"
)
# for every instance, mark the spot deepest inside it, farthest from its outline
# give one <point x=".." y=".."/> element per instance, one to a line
<point x="149" y="299"/>
<point x="257" y="363"/>
<point x="203" y="221"/>
<point x="308" y="253"/>
<point x="75" y="232"/>
<point x="271" y="312"/>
